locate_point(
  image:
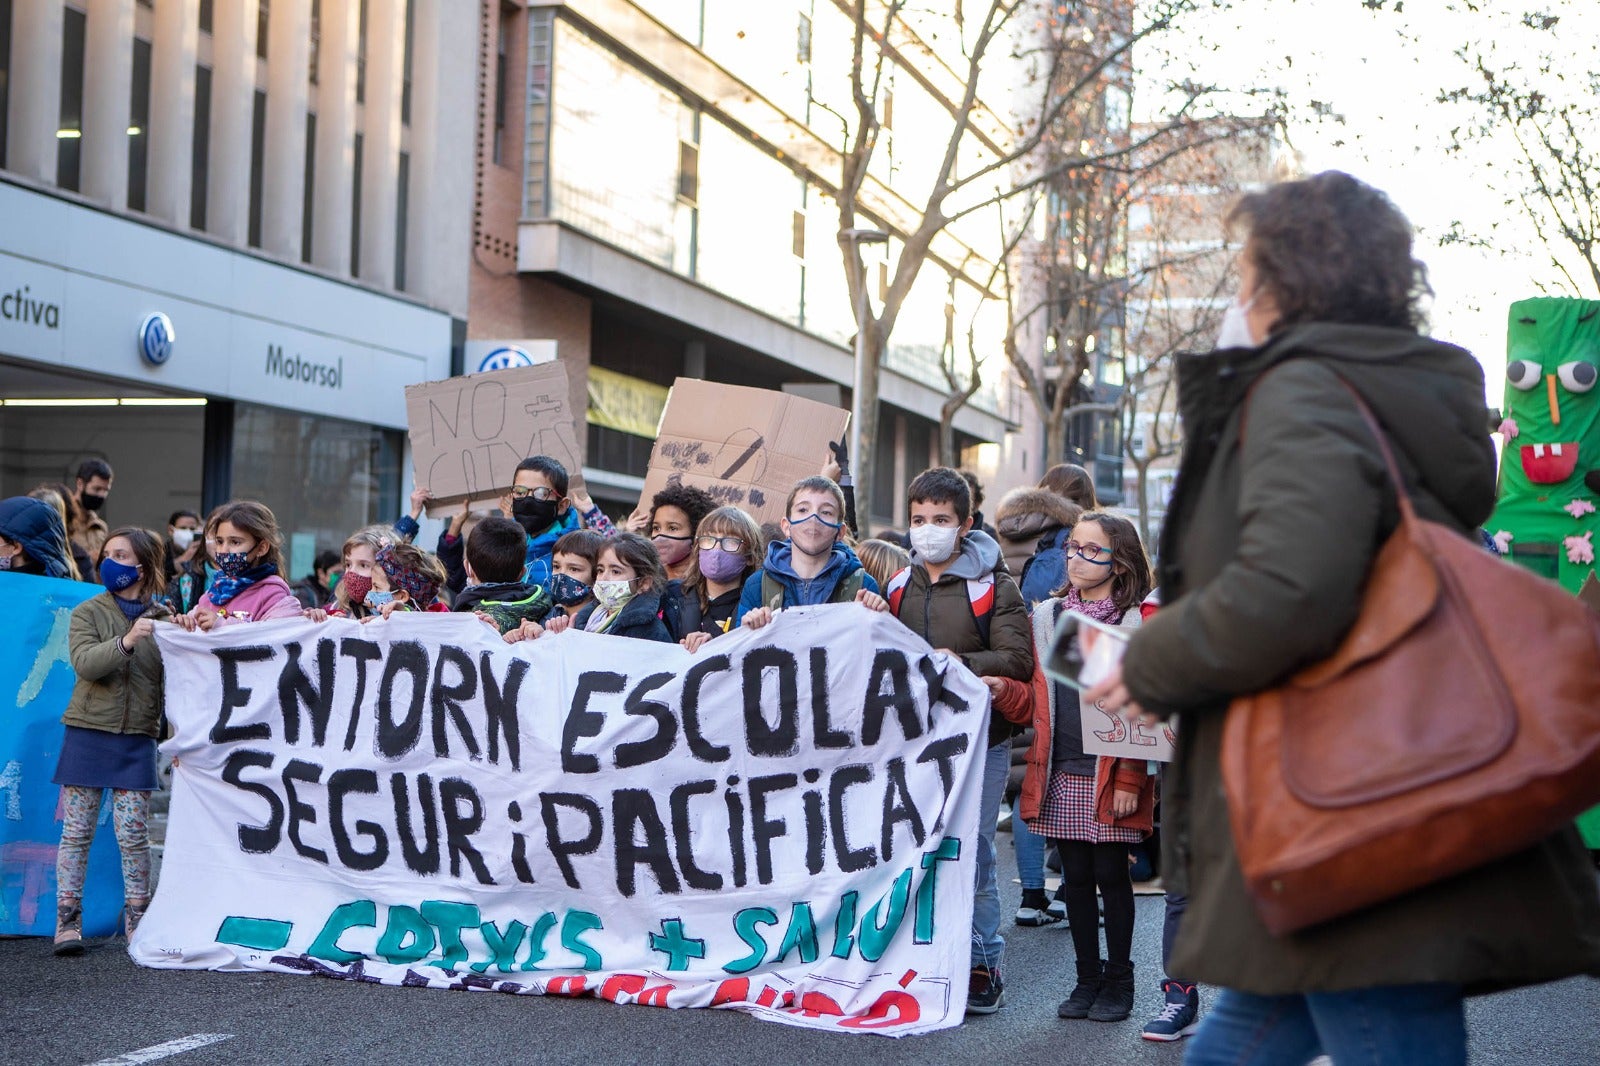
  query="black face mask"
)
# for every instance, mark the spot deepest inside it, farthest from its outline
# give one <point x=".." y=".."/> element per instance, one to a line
<point x="534" y="516"/>
<point x="91" y="502"/>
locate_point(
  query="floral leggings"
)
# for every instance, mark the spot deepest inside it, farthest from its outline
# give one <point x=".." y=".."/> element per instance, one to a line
<point x="130" y="818"/>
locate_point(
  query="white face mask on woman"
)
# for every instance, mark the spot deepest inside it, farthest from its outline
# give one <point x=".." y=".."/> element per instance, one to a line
<point x="1235" y="331"/>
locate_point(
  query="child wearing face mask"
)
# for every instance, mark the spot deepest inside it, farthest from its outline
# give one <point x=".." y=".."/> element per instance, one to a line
<point x="247" y="550"/>
<point x="811" y="565"/>
<point x="629" y="578"/>
<point x="1090" y="807"/>
<point x="112" y="725"/>
<point x="957" y="596"/>
<point x="574" y="561"/>
<point x="675" y="513"/>
<point x="727" y="552"/>
<point x="360" y="561"/>
<point x="186" y="561"/>
<point x="407" y="579"/>
<point x="539" y="502"/>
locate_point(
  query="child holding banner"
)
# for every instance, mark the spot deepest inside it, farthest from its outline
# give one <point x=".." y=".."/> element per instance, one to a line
<point x="727" y="552"/>
<point x="957" y="596"/>
<point x="360" y="554"/>
<point x="409" y="579"/>
<point x="495" y="590"/>
<point x="1091" y="808"/>
<point x="243" y="539"/>
<point x="811" y="565"/>
<point x="574" y="561"/>
<point x="112" y="724"/>
<point x="628" y="583"/>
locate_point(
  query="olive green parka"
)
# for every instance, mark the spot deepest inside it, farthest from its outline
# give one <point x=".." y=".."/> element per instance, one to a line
<point x="115" y="692"/>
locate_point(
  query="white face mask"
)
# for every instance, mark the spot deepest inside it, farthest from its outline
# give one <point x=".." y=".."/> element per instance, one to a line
<point x="934" y="544"/>
<point x="1235" y="331"/>
<point x="182" y="538"/>
<point x="613" y="595"/>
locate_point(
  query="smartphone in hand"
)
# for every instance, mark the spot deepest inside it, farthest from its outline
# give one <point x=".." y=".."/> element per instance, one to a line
<point x="1083" y="651"/>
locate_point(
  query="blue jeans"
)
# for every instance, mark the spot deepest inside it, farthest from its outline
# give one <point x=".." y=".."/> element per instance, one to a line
<point x="1030" y="850"/>
<point x="1402" y="1025"/>
<point x="988" y="946"/>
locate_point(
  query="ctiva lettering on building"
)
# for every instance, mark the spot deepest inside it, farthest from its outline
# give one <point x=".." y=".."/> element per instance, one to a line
<point x="20" y="307"/>
<point x="295" y="368"/>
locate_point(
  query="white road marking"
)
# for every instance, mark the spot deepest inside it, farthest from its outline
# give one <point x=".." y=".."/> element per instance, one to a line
<point x="157" y="1052"/>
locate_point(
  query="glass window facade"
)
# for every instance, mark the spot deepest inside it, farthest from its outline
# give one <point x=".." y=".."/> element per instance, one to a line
<point x="139" y="125"/>
<point x="201" y="154"/>
<point x="69" y="135"/>
<point x="322" y="477"/>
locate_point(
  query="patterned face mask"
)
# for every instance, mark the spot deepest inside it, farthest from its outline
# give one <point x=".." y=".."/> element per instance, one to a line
<point x="568" y="591"/>
<point x="232" y="564"/>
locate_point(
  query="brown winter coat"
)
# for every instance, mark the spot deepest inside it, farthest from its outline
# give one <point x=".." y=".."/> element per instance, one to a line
<point x="941" y="613"/>
<point x="1025" y="517"/>
<point x="115" y="693"/>
<point x="1266" y="548"/>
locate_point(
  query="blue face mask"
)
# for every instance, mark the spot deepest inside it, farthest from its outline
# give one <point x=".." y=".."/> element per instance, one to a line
<point x="117" y="576"/>
<point x="377" y="598"/>
<point x="568" y="591"/>
<point x="815" y="518"/>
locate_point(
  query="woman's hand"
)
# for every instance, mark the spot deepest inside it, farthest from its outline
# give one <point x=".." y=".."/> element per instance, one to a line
<point x="419" y="500"/>
<point x="872" y="601"/>
<point x="1124" y="804"/>
<point x="692" y="642"/>
<point x="140" y="629"/>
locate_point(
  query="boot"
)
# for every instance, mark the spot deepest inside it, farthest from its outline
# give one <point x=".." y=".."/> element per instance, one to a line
<point x="1115" y="1001"/>
<point x="69" y="927"/>
<point x="131" y="914"/>
<point x="1090" y="979"/>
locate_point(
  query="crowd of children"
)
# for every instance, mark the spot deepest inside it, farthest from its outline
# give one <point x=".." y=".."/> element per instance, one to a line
<point x="685" y="571"/>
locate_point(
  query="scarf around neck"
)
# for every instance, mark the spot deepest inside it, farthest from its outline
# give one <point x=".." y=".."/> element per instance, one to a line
<point x="224" y="588"/>
<point x="1104" y="611"/>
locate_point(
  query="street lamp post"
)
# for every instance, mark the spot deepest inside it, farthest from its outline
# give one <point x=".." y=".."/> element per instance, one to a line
<point x="856" y="237"/>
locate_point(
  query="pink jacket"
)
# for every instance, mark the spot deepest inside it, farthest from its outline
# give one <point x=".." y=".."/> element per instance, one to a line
<point x="268" y="598"/>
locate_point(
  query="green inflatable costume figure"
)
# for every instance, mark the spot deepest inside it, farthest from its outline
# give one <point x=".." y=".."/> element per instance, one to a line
<point x="1546" y="518"/>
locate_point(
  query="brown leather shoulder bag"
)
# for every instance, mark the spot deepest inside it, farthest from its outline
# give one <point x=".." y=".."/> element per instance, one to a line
<point x="1457" y="723"/>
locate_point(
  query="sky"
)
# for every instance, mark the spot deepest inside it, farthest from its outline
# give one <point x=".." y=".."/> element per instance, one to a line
<point x="1382" y="73"/>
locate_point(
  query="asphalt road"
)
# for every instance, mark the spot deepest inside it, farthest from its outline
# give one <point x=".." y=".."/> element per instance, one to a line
<point x="101" y="1007"/>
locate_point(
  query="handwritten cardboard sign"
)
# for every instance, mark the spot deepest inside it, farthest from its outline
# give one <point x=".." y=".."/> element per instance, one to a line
<point x="746" y="447"/>
<point x="469" y="433"/>
<point x="1124" y="737"/>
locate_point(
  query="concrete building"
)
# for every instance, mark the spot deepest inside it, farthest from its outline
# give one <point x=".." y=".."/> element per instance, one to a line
<point x="654" y="193"/>
<point x="235" y="230"/>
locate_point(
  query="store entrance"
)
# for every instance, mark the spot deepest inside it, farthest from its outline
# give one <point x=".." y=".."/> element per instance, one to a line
<point x="51" y="421"/>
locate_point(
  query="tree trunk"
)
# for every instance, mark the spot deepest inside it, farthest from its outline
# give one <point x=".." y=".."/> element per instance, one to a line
<point x="863" y="466"/>
<point x="1055" y="443"/>
<point x="1142" y="465"/>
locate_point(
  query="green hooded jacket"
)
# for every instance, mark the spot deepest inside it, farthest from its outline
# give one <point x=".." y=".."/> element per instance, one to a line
<point x="1265" y="553"/>
<point x="115" y="693"/>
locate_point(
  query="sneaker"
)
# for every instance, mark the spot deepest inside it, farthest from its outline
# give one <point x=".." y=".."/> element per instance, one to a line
<point x="1057" y="910"/>
<point x="985" y="991"/>
<point x="1179" y="1018"/>
<point x="1035" y="909"/>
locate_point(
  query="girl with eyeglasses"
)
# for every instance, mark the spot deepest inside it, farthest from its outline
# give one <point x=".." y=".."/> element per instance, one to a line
<point x="1090" y="807"/>
<point x="727" y="551"/>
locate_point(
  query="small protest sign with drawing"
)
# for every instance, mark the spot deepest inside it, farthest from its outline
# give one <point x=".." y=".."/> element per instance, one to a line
<point x="746" y="447"/>
<point x="469" y="433"/>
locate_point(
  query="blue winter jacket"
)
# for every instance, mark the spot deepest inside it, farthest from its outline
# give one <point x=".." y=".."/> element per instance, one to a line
<point x="798" y="591"/>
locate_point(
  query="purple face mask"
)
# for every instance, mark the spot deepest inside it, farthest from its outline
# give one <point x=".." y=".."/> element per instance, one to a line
<point x="721" y="566"/>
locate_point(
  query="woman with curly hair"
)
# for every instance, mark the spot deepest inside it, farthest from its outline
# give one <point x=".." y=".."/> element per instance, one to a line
<point x="1281" y="504"/>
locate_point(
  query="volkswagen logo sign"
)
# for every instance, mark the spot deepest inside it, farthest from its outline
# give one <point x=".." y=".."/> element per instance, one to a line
<point x="505" y="359"/>
<point x="156" y="338"/>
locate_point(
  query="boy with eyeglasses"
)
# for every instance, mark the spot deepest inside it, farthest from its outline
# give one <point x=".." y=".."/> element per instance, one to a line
<point x="540" y="504"/>
<point x="957" y="596"/>
<point x="811" y="565"/>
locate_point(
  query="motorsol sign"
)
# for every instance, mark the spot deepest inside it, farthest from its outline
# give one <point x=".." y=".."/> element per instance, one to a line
<point x="296" y="368"/>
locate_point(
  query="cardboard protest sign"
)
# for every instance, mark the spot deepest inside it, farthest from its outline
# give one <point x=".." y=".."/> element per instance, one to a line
<point x="469" y="433"/>
<point x="746" y="447"/>
<point x="1124" y="736"/>
<point x="783" y="823"/>
<point x="36" y="680"/>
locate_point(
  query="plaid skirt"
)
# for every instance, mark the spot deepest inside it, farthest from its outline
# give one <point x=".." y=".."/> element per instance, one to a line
<point x="1067" y="813"/>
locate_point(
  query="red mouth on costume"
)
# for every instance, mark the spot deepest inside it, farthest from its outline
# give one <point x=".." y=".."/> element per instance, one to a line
<point x="1547" y="464"/>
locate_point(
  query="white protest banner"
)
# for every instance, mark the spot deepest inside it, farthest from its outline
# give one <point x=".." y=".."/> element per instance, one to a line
<point x="469" y="433"/>
<point x="783" y="823"/>
<point x="1123" y="736"/>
